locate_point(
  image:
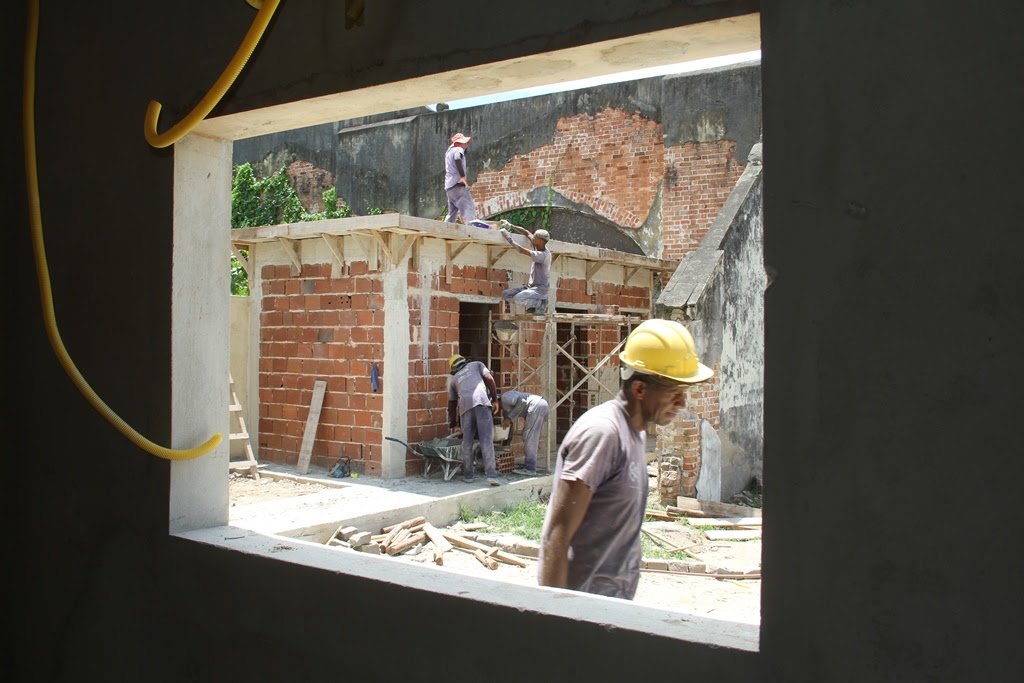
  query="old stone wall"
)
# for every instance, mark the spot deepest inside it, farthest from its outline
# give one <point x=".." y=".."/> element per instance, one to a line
<point x="641" y="166"/>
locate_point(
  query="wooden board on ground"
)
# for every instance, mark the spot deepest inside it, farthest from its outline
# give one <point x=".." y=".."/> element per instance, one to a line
<point x="734" y="535"/>
<point x="312" y="421"/>
<point x="469" y="544"/>
<point x="715" y="508"/>
<point x="658" y="514"/>
<point x="442" y="544"/>
<point x="730" y="522"/>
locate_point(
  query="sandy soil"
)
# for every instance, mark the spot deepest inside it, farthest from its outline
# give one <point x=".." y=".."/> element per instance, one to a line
<point x="724" y="598"/>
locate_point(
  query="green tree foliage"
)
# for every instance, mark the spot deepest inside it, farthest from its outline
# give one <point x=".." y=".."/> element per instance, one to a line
<point x="239" y="279"/>
<point x="266" y="201"/>
<point x="271" y="201"/>
<point x="533" y="217"/>
<point x="331" y="208"/>
<point x="530" y="217"/>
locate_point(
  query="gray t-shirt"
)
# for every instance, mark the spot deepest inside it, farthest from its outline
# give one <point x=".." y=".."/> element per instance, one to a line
<point x="539" y="270"/>
<point x="454" y="166"/>
<point x="603" y="451"/>
<point x="514" y="403"/>
<point x="468" y="387"/>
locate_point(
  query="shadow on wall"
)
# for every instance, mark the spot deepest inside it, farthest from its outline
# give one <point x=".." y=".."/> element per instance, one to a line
<point x="580" y="227"/>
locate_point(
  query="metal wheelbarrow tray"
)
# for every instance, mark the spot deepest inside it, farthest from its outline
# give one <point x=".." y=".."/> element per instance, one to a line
<point x="443" y="454"/>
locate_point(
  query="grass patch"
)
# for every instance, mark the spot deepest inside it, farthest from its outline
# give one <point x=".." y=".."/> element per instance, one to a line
<point x="652" y="550"/>
<point x="525" y="519"/>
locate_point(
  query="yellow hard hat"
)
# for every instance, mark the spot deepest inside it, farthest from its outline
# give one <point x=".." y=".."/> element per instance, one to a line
<point x="455" y="359"/>
<point x="664" y="348"/>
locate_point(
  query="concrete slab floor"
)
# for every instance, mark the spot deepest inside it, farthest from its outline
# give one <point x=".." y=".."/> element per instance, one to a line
<point x="371" y="502"/>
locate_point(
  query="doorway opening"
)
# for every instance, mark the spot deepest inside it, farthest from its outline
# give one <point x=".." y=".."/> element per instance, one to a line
<point x="474" y="329"/>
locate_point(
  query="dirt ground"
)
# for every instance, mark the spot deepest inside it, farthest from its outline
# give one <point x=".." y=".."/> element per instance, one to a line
<point x="723" y="598"/>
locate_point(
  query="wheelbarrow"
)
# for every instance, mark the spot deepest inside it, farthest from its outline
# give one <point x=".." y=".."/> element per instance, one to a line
<point x="442" y="454"/>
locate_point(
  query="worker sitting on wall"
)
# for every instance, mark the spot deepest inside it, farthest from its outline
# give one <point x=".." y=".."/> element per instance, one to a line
<point x="534" y="296"/>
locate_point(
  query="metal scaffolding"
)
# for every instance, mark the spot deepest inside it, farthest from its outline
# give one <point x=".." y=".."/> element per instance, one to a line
<point x="589" y="379"/>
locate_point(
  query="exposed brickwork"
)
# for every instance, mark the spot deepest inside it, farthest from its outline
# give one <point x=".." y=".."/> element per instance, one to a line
<point x="317" y="327"/>
<point x="699" y="178"/>
<point x="309" y="183"/>
<point x="612" y="162"/>
<point x="679" y="442"/>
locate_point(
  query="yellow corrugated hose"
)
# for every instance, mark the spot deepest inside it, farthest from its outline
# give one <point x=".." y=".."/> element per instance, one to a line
<point x="266" y="10"/>
<point x="226" y="79"/>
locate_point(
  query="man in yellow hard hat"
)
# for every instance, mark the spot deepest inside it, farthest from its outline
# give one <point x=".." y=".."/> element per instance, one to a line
<point x="473" y="402"/>
<point x="591" y="536"/>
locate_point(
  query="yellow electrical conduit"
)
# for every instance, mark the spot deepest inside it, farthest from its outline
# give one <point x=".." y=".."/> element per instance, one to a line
<point x="226" y="79"/>
<point x="32" y="182"/>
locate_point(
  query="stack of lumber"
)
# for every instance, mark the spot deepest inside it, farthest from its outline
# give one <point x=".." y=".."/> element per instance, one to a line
<point x="398" y="538"/>
<point x="691" y="507"/>
<point x="736" y="522"/>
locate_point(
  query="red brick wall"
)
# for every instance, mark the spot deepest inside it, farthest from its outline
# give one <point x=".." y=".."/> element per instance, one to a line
<point x="317" y="327"/>
<point x="309" y="183"/>
<point x="679" y="442"/>
<point x="612" y="162"/>
<point x="616" y="163"/>
<point x="703" y="174"/>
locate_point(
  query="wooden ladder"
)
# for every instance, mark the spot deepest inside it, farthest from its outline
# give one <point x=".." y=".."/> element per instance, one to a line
<point x="249" y="464"/>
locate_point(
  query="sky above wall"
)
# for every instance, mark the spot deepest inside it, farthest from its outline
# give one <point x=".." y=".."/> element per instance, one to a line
<point x="678" y="68"/>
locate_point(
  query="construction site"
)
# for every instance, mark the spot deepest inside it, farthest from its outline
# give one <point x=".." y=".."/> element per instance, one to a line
<point x="352" y="320"/>
<point x="859" y="303"/>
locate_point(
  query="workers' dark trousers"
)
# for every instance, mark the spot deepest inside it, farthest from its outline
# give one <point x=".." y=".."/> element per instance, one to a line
<point x="478" y="424"/>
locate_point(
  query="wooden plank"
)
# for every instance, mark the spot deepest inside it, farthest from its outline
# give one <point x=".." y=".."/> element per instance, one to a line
<point x="312" y="420"/>
<point x="434" y="534"/>
<point x="242" y="261"/>
<point x="485" y="559"/>
<point x="336" y="244"/>
<point x="291" y="250"/>
<point x="731" y="522"/>
<point x="676" y="512"/>
<point x="390" y="535"/>
<point x="469" y="544"/>
<point x="400" y="546"/>
<point x="734" y="535"/>
<point x="411" y="522"/>
<point x="238" y="465"/>
<point x="397" y="539"/>
<point x="661" y="539"/>
<point x="716" y="508"/>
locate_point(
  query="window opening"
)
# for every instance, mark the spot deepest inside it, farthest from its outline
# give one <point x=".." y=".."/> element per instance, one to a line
<point x="190" y="480"/>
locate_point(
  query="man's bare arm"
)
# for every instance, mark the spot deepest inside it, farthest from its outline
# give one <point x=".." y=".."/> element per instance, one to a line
<point x="508" y="237"/>
<point x="492" y="392"/>
<point x="567" y="507"/>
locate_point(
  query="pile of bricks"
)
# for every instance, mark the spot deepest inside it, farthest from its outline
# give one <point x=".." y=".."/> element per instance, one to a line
<point x="504" y="460"/>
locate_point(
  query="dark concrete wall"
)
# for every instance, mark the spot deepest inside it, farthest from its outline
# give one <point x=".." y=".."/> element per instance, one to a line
<point x="396" y="162"/>
<point x="893" y="344"/>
